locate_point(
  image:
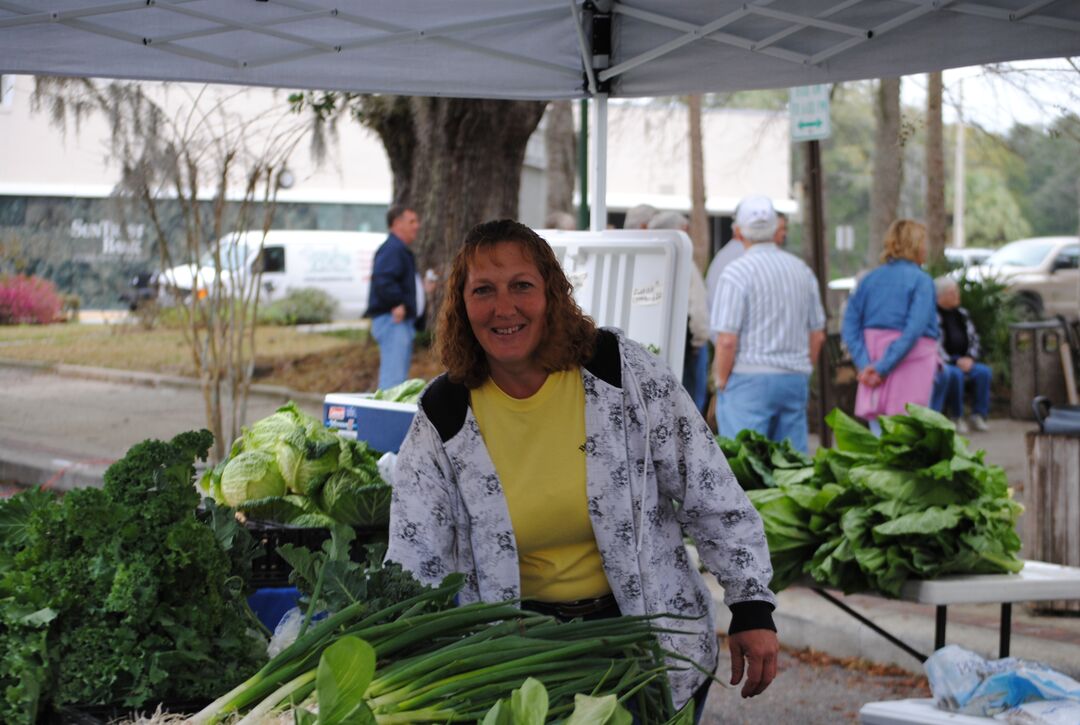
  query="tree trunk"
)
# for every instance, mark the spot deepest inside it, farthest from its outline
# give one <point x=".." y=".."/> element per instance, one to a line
<point x="888" y="168"/>
<point x="561" y="146"/>
<point x="935" y="169"/>
<point x="699" y="221"/>
<point x="456" y="162"/>
<point x="391" y="118"/>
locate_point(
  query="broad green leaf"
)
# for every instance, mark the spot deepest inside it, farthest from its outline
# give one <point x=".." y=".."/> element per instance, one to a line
<point x="604" y="710"/>
<point x="789" y="476"/>
<point x="850" y="435"/>
<point x="499" y="714"/>
<point x="345" y="670"/>
<point x="529" y="703"/>
<point x="929" y="521"/>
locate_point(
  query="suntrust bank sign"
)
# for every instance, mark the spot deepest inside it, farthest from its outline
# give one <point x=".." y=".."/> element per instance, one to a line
<point x="116" y="240"/>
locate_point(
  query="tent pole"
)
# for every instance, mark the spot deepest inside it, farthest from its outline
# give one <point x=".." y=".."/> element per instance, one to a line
<point x="599" y="160"/>
<point x="817" y="241"/>
<point x="583" y="166"/>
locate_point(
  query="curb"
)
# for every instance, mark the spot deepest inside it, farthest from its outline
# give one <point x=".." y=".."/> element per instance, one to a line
<point x="151" y="380"/>
<point x="56" y="474"/>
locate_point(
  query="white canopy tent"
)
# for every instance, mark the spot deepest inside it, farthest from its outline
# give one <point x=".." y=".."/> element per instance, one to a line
<point x="525" y="49"/>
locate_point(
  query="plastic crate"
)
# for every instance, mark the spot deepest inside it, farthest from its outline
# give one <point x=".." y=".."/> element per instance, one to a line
<point x="271" y="570"/>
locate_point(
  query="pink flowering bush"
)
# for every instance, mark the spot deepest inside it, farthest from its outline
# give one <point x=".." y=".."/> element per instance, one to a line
<point x="28" y="300"/>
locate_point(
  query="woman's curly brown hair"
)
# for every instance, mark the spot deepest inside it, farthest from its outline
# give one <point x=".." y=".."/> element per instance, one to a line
<point x="569" y="336"/>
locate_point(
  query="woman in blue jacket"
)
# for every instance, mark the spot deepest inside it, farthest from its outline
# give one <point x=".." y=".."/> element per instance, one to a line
<point x="891" y="328"/>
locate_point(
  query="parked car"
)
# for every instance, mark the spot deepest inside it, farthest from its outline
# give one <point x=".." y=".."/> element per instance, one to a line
<point x="336" y="262"/>
<point x="963" y="257"/>
<point x="1044" y="273"/>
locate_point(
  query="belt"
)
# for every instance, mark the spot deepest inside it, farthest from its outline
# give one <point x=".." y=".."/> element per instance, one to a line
<point x="579" y="608"/>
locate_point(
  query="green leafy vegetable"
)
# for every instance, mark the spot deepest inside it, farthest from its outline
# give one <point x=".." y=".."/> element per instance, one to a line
<point x="291" y="469"/>
<point x="122" y="595"/>
<point x="406" y="392"/>
<point x="873" y="512"/>
<point x="251" y="475"/>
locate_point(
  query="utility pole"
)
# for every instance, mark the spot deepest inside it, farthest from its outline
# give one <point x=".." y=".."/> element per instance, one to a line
<point x="958" y="182"/>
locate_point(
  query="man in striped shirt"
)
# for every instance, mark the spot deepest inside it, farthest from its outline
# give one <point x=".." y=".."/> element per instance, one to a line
<point x="769" y="326"/>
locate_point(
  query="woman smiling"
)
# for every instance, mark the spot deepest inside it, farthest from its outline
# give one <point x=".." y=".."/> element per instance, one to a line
<point x="559" y="464"/>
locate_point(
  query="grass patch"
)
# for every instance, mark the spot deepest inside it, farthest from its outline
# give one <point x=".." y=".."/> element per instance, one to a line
<point x="350" y="334"/>
<point x="127" y="347"/>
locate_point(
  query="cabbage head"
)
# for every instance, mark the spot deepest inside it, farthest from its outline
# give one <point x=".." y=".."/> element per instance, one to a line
<point x="251" y="475"/>
<point x="268" y="431"/>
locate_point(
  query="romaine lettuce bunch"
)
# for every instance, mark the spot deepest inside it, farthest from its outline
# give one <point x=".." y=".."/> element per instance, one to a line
<point x="290" y="468"/>
<point x="871" y="513"/>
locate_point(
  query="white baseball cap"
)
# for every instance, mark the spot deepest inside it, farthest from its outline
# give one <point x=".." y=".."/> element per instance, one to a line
<point x="756" y="218"/>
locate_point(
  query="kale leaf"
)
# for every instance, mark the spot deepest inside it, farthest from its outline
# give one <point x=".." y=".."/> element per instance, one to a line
<point x="121" y="595"/>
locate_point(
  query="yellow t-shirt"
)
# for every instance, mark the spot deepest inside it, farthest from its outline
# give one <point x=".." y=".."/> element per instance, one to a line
<point x="537" y="446"/>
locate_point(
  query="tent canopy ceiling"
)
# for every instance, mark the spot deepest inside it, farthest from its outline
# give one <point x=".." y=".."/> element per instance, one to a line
<point x="526" y="49"/>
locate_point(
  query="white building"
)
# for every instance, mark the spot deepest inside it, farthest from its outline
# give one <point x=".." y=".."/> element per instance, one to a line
<point x="58" y="217"/>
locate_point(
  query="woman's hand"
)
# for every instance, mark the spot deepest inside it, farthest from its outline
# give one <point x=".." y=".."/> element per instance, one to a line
<point x="755" y="651"/>
<point x="870" y="377"/>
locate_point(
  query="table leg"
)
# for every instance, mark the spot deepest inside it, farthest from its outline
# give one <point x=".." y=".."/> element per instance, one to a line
<point x="939" y="627"/>
<point x="1006" y="629"/>
<point x="873" y="626"/>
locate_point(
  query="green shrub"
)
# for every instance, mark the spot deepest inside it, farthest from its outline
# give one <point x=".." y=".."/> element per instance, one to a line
<point x="307" y="306"/>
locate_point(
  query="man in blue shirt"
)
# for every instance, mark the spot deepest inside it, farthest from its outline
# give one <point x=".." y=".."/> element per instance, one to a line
<point x="393" y="300"/>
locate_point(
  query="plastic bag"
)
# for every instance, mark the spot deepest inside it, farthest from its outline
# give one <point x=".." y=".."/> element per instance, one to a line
<point x="1045" y="712"/>
<point x="963" y="681"/>
<point x="285" y="632"/>
<point x="386" y="467"/>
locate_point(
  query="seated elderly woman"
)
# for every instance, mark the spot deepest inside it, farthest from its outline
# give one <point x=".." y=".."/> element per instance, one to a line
<point x="559" y="463"/>
<point x="959" y="351"/>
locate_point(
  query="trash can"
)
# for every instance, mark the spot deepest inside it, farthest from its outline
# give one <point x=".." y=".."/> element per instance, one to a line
<point x="1035" y="357"/>
<point x="1051" y="520"/>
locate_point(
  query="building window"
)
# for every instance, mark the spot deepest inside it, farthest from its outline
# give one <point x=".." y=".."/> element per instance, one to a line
<point x="7" y="91"/>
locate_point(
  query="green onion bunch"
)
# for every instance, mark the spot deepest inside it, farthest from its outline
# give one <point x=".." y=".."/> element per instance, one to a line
<point x="454" y="664"/>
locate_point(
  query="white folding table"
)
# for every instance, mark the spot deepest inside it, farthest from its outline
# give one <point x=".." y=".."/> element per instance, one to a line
<point x="919" y="711"/>
<point x="1037" y="581"/>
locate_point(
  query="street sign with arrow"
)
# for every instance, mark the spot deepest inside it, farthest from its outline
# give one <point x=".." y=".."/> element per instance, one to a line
<point x="809" y="110"/>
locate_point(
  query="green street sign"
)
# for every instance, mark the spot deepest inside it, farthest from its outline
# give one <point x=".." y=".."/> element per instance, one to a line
<point x="808" y="107"/>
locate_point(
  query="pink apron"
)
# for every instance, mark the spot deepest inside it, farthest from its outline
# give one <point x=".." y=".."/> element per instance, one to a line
<point x="911" y="381"/>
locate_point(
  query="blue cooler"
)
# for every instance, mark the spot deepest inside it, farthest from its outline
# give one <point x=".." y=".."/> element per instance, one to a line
<point x="382" y="424"/>
<point x="271" y="604"/>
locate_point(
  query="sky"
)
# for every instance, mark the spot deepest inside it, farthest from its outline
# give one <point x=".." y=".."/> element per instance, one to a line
<point x="1026" y="92"/>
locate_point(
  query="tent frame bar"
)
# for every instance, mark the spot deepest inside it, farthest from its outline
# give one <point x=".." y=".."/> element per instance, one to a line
<point x="692" y="32"/>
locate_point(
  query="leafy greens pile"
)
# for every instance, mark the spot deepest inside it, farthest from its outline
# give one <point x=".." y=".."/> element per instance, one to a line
<point x="406" y="392"/>
<point x="121" y="594"/>
<point x="873" y="512"/>
<point x="291" y="469"/>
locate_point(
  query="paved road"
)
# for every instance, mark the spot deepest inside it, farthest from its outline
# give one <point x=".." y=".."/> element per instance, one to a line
<point x="70" y="424"/>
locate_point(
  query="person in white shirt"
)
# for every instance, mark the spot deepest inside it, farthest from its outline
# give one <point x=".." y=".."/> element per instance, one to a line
<point x="770" y="326"/>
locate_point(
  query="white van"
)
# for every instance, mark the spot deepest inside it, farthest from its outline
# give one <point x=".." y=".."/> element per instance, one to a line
<point x="338" y="263"/>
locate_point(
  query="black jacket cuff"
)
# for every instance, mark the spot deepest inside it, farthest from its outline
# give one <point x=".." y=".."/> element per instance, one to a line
<point x="751" y="615"/>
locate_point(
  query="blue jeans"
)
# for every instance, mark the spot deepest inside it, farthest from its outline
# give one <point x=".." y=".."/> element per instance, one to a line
<point x="395" y="348"/>
<point x="695" y="375"/>
<point x="773" y="404"/>
<point x="948" y="395"/>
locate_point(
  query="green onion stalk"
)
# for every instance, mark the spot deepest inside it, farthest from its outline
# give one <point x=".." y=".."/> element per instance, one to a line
<point x="453" y="665"/>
